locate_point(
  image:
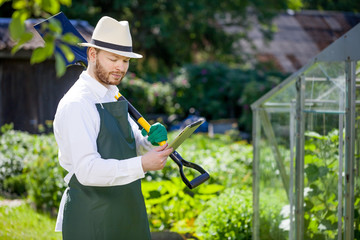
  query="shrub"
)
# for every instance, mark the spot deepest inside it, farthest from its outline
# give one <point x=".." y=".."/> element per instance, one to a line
<point x="29" y="167"/>
<point x="15" y="151"/>
<point x="44" y="175"/>
<point x="228" y="216"/>
<point x="219" y="91"/>
<point x="148" y="97"/>
<point x="172" y="206"/>
<point x="228" y="163"/>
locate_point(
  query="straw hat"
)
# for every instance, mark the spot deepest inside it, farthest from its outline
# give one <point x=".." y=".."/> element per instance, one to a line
<point x="112" y="36"/>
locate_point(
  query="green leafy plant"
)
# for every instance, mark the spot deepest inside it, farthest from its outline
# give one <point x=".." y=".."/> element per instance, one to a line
<point x="29" y="167"/>
<point x="148" y="97"/>
<point x="23" y="10"/>
<point x="170" y="205"/>
<point x="321" y="185"/>
<point x="228" y="163"/>
<point x="219" y="91"/>
<point x="321" y="168"/>
<point x="228" y="216"/>
<point x="15" y="151"/>
<point x="44" y="175"/>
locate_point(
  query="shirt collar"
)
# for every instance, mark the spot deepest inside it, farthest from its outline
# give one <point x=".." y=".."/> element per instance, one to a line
<point x="96" y="87"/>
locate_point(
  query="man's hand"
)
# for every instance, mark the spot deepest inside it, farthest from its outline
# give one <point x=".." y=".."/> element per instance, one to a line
<point x="157" y="134"/>
<point x="156" y="158"/>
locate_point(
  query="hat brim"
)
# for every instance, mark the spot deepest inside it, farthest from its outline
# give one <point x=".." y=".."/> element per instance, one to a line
<point x="121" y="53"/>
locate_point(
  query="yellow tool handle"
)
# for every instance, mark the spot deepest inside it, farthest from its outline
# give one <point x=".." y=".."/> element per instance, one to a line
<point x="137" y="116"/>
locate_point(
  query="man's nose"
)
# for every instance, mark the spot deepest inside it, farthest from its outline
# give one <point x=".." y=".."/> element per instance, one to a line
<point x="120" y="66"/>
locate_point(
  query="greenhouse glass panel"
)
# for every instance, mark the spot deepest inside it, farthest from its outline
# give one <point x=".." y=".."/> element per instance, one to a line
<point x="325" y="88"/>
<point x="306" y="140"/>
<point x="357" y="156"/>
<point x="275" y="172"/>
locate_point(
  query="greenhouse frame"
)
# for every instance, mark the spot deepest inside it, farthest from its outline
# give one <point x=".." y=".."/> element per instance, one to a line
<point x="306" y="154"/>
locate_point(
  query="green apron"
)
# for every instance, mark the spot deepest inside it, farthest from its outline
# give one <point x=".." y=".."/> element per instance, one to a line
<point x="107" y="213"/>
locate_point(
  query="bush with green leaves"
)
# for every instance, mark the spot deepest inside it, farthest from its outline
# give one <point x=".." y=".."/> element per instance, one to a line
<point x="172" y="206"/>
<point x="16" y="149"/>
<point x="321" y="168"/>
<point x="228" y="216"/>
<point x="219" y="91"/>
<point x="44" y="176"/>
<point x="228" y="163"/>
<point x="321" y="187"/>
<point x="216" y="90"/>
<point x="29" y="167"/>
<point x="148" y="97"/>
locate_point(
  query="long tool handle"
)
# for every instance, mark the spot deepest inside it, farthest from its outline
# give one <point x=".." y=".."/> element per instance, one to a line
<point x="175" y="156"/>
<point x="137" y="116"/>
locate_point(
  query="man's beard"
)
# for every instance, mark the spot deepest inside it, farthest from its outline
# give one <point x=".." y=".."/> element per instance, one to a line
<point x="104" y="76"/>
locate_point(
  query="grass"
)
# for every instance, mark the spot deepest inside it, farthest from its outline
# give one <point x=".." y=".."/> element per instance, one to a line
<point x="23" y="223"/>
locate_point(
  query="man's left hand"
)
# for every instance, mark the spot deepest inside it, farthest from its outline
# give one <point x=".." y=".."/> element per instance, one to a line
<point x="157" y="134"/>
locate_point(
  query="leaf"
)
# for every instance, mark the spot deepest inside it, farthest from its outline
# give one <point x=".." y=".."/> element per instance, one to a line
<point x="51" y="6"/>
<point x="26" y="36"/>
<point x="323" y="171"/>
<point x="17" y="25"/>
<point x="19" y="4"/>
<point x="65" y="2"/>
<point x="59" y="65"/>
<point x="69" y="55"/>
<point x="315" y="135"/>
<point x="55" y="26"/>
<point x="40" y="54"/>
<point x="3" y="1"/>
<point x="294" y="4"/>
<point x="210" y="189"/>
<point x="312" y="172"/>
<point x="70" y="38"/>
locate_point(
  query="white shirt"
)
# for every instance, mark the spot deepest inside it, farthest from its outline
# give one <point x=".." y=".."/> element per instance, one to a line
<point x="76" y="127"/>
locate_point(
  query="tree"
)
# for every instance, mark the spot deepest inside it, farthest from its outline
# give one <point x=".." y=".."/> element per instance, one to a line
<point x="168" y="33"/>
<point x="171" y="33"/>
<point x="21" y="10"/>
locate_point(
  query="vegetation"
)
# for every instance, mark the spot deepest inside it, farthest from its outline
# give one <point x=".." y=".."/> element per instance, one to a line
<point x="172" y="34"/>
<point x="213" y="89"/>
<point x="22" y="222"/>
<point x="198" y="35"/>
<point x="203" y="213"/>
<point x="170" y="204"/>
<point x="228" y="216"/>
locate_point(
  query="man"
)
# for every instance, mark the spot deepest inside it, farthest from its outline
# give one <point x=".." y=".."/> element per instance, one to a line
<point x="101" y="146"/>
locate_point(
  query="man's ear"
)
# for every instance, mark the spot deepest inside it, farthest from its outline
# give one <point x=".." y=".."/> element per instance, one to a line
<point x="92" y="54"/>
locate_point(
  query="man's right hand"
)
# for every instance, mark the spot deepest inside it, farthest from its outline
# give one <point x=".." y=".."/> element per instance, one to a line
<point x="156" y="158"/>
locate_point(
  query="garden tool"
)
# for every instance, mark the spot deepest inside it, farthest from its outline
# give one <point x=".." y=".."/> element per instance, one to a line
<point x="81" y="57"/>
<point x="175" y="156"/>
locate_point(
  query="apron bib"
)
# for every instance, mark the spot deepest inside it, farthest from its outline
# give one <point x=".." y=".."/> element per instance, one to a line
<point x="108" y="213"/>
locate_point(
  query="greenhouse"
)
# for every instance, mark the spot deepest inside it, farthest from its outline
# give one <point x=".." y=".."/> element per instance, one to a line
<point x="307" y="149"/>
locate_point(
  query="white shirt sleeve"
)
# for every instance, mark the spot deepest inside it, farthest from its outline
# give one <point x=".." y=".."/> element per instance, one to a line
<point x="76" y="131"/>
<point x="142" y="144"/>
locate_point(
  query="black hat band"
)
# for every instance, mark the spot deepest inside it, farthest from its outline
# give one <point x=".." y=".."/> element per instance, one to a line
<point x="111" y="46"/>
